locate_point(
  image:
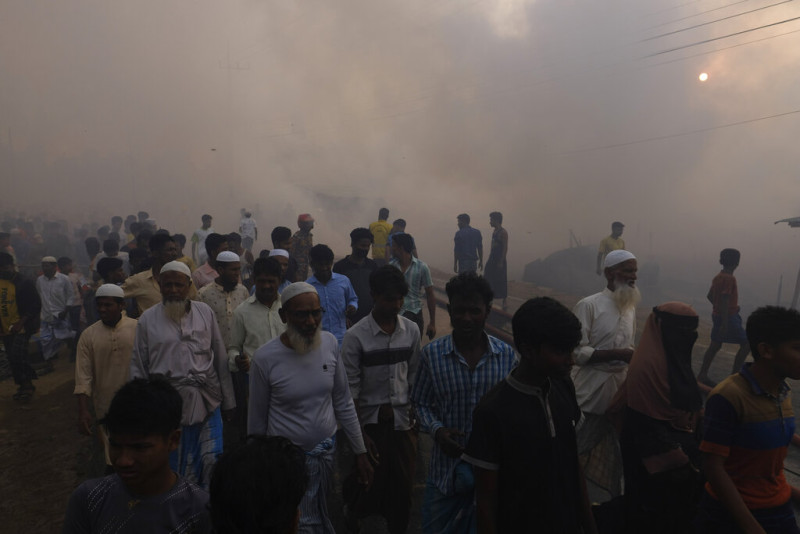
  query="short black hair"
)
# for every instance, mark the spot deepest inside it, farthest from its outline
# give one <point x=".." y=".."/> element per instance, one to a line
<point x="268" y="266"/>
<point x="361" y="233"/>
<point x="543" y="321"/>
<point x="257" y="487"/>
<point x="206" y="216"/>
<point x="496" y="215"/>
<point x="63" y="261"/>
<point x="234" y="237"/>
<point x="279" y="235"/>
<point x="110" y="245"/>
<point x="320" y="253"/>
<point x="404" y="241"/>
<point x="729" y="256"/>
<point x="6" y="259"/>
<point x="383" y="214"/>
<point x="463" y="217"/>
<point x="772" y="325"/>
<point x="213" y="242"/>
<point x="158" y="242"/>
<point x="180" y="239"/>
<point x="92" y="245"/>
<point x="106" y="265"/>
<point x="400" y="222"/>
<point x="115" y="236"/>
<point x="143" y="215"/>
<point x="469" y="283"/>
<point x="387" y="279"/>
<point x="143" y="407"/>
<point x="116" y="218"/>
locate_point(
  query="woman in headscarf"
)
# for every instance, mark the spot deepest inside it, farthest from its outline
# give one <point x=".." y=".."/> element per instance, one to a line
<point x="660" y="405"/>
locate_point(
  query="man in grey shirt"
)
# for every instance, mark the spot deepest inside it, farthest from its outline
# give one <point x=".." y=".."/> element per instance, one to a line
<point x="298" y="389"/>
<point x="145" y="494"/>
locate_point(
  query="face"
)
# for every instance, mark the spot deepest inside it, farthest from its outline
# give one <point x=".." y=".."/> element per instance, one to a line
<point x="174" y="286"/>
<point x="284" y="245"/>
<point x="67" y="268"/>
<point x="138" y="460"/>
<point x="616" y="231"/>
<point x="267" y="287"/>
<point x="468" y="314"/>
<point x="304" y="313"/>
<point x="397" y="250"/>
<point x="493" y="222"/>
<point x="230" y="272"/>
<point x="207" y="222"/>
<point x="168" y="253"/>
<point x="553" y="363"/>
<point x="361" y="247"/>
<point x="623" y="273"/>
<point x="387" y="304"/>
<point x="785" y="357"/>
<point x="49" y="269"/>
<point x="461" y="223"/>
<point x="109" y="310"/>
<point x="322" y="270"/>
<point x="284" y="261"/>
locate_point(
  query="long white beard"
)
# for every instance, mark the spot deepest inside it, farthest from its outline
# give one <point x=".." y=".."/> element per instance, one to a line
<point x="175" y="309"/>
<point x="302" y="344"/>
<point x="625" y="296"/>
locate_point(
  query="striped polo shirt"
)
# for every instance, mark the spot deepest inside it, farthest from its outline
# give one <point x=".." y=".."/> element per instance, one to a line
<point x="752" y="430"/>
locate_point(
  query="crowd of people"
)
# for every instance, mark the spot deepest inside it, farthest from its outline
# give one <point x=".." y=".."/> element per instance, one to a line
<point x="218" y="386"/>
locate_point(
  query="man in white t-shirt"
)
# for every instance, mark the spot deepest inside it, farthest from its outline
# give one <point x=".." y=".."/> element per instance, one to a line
<point x="199" y="254"/>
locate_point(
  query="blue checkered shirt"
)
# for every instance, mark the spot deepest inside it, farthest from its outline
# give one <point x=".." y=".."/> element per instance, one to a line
<point x="446" y="392"/>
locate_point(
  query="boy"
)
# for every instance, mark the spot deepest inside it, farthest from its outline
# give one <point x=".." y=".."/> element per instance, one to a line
<point x="523" y="447"/>
<point x="145" y="495"/>
<point x="727" y="328"/>
<point x="748" y="425"/>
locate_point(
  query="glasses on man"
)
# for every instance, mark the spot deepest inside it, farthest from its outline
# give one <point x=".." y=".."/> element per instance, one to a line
<point x="302" y="315"/>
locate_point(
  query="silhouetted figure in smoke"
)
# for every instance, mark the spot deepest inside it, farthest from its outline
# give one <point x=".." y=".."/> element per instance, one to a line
<point x="380" y="231"/>
<point x="468" y="250"/>
<point x="302" y="241"/>
<point x="357" y="267"/>
<point x="610" y="243"/>
<point x="496" y="271"/>
<point x="199" y="253"/>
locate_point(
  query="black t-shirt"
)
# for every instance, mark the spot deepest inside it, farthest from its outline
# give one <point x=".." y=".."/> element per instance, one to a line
<point x="535" y="455"/>
<point x="359" y="279"/>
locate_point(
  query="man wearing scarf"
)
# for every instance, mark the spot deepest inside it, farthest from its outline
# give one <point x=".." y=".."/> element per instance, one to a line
<point x="659" y="406"/>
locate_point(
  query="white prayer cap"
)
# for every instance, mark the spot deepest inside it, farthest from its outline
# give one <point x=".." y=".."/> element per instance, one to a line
<point x="177" y="266"/>
<point x="49" y="259"/>
<point x="226" y="256"/>
<point x="110" y="290"/>
<point x="278" y="252"/>
<point x="297" y="288"/>
<point x="615" y="257"/>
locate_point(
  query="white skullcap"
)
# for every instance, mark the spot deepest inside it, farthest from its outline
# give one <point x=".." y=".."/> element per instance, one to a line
<point x="297" y="288"/>
<point x="177" y="266"/>
<point x="615" y="257"/>
<point x="110" y="290"/>
<point x="226" y="256"/>
<point x="278" y="252"/>
<point x="49" y="259"/>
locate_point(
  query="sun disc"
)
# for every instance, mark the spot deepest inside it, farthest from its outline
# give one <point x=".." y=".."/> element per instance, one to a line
<point x="703" y="77"/>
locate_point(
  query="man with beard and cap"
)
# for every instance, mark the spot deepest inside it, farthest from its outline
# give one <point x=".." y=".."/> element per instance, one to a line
<point x="608" y="322"/>
<point x="299" y="390"/>
<point x="336" y="295"/>
<point x="282" y="257"/>
<point x="199" y="253"/>
<point x="180" y="340"/>
<point x="102" y="366"/>
<point x="455" y="371"/>
<point x="19" y="319"/>
<point x="302" y="241"/>
<point x="658" y="407"/>
<point x="144" y="286"/>
<point x="357" y="267"/>
<point x="226" y="292"/>
<point x="207" y="272"/>
<point x="55" y="291"/>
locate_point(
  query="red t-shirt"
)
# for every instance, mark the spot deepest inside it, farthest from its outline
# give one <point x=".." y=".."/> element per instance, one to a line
<point x="724" y="284"/>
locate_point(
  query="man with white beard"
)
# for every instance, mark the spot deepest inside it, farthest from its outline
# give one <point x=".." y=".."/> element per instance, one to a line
<point x="299" y="390"/>
<point x="608" y="324"/>
<point x="180" y="340"/>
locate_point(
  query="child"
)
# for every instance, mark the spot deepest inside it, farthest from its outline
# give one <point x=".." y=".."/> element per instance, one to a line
<point x="727" y="328"/>
<point x="748" y="425"/>
<point x="523" y="447"/>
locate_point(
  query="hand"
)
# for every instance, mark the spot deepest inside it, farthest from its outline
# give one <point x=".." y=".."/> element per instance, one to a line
<point x="16" y="328"/>
<point x="350" y="310"/>
<point x="242" y="363"/>
<point x="625" y="355"/>
<point x="85" y="423"/>
<point x="365" y="470"/>
<point x="431" y="331"/>
<point x="444" y="438"/>
<point x="227" y="415"/>
<point x="372" y="449"/>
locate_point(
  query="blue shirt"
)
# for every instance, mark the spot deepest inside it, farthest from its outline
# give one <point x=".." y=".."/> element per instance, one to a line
<point x="335" y="297"/>
<point x="446" y="392"/>
<point x="468" y="242"/>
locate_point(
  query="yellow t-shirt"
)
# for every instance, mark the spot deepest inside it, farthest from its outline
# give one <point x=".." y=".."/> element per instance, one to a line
<point x="610" y="243"/>
<point x="380" y="232"/>
<point x="9" y="313"/>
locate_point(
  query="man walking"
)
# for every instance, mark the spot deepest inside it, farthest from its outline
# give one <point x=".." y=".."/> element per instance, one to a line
<point x="199" y="254"/>
<point x="468" y="250"/>
<point x="55" y="291"/>
<point x="336" y="295"/>
<point x="357" y="267"/>
<point x="302" y="241"/>
<point x="418" y="278"/>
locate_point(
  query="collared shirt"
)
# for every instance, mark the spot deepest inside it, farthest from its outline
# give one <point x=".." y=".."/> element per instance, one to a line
<point x="381" y="367"/>
<point x="418" y="278"/>
<point x="380" y="232"/>
<point x="223" y="303"/>
<point x="335" y="297"/>
<point x="55" y="294"/>
<point x="191" y="355"/>
<point x="144" y="288"/>
<point x="204" y="275"/>
<point x="254" y="324"/>
<point x="446" y="392"/>
<point x="301" y="396"/>
<point x="103" y="361"/>
<point x="603" y="327"/>
<point x="358" y="274"/>
<point x="468" y="242"/>
<point x="610" y="244"/>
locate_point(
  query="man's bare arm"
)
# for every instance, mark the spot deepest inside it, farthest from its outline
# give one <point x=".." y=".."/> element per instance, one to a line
<point x="611" y="355"/>
<point x="728" y="495"/>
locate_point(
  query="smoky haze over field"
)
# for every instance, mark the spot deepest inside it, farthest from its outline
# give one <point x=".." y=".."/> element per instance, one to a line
<point x="563" y="115"/>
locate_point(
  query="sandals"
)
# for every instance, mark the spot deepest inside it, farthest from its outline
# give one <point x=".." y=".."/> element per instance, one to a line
<point x="24" y="394"/>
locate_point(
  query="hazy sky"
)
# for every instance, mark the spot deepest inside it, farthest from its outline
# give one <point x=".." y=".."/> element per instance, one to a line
<point x="562" y="114"/>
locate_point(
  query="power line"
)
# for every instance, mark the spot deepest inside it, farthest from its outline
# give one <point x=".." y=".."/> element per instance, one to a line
<point x="691" y="132"/>
<point x="695" y="15"/>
